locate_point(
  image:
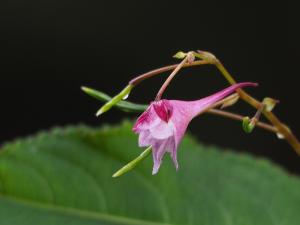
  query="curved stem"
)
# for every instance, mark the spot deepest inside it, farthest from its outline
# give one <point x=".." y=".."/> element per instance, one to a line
<point x="171" y="76"/>
<point x="152" y="73"/>
<point x="238" y="117"/>
<point x="282" y="128"/>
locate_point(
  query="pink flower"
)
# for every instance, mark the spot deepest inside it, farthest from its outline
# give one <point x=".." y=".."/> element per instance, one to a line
<point x="164" y="123"/>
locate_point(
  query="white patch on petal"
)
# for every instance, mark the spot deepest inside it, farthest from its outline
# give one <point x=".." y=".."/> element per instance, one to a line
<point x="159" y="148"/>
<point x="163" y="130"/>
<point x="145" y="138"/>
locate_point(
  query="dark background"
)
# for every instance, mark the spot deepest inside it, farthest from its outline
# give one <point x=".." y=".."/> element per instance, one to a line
<point x="50" y="48"/>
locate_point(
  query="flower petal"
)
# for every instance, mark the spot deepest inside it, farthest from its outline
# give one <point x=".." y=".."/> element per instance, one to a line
<point x="145" y="138"/>
<point x="159" y="148"/>
<point x="163" y="109"/>
<point x="147" y="120"/>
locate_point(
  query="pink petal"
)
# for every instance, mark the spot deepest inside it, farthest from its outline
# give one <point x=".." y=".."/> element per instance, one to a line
<point x="147" y="120"/>
<point x="163" y="109"/>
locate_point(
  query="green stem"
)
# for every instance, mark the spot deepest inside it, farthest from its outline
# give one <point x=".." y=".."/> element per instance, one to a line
<point x="225" y="73"/>
<point x="238" y="117"/>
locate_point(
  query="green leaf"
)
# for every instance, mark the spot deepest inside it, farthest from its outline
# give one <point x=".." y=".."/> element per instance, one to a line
<point x="64" y="177"/>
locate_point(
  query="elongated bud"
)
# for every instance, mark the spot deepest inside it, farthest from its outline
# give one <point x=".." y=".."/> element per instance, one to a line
<point x="123" y="94"/>
<point x="129" y="166"/>
<point x="123" y="105"/>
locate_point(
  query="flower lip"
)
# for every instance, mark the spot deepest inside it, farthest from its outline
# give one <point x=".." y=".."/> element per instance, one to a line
<point x="163" y="109"/>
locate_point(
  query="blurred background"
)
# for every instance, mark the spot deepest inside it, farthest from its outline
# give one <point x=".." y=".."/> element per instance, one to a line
<point x="50" y="48"/>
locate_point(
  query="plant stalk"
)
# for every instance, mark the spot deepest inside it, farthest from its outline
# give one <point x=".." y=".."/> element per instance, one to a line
<point x="281" y="128"/>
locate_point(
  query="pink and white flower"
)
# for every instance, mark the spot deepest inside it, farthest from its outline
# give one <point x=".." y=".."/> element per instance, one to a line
<point x="164" y="123"/>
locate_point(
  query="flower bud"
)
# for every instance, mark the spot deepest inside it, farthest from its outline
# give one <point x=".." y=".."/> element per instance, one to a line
<point x="123" y="94"/>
